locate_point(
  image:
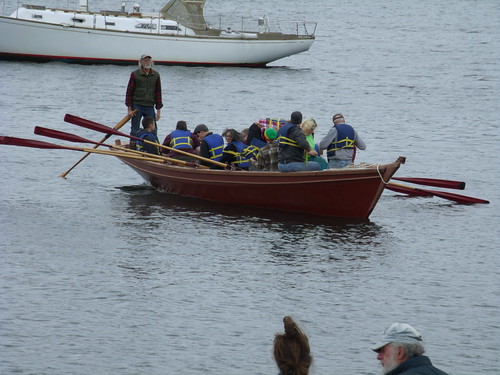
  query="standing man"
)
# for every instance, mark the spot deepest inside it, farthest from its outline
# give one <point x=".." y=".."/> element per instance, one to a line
<point x="143" y="93"/>
<point x="292" y="144"/>
<point x="340" y="143"/>
<point x="401" y="352"/>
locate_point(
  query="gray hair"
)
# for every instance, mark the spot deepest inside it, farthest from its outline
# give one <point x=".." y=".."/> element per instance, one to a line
<point x="411" y="350"/>
<point x="140" y="65"/>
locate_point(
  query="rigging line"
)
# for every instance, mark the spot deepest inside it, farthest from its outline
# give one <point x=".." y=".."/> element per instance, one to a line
<point x="380" y="174"/>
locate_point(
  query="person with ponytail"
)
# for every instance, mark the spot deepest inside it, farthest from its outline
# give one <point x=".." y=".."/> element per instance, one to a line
<point x="291" y="350"/>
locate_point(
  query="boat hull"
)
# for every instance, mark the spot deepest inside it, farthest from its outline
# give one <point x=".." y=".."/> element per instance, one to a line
<point x="30" y="40"/>
<point x="347" y="193"/>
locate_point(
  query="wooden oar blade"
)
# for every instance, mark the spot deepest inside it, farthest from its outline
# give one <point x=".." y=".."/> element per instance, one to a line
<point x="449" y="184"/>
<point x="51" y="133"/>
<point x="13" y="141"/>
<point x="464" y="199"/>
<point x="92" y="125"/>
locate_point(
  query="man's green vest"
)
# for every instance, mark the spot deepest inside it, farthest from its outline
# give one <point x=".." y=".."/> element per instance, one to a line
<point x="144" y="93"/>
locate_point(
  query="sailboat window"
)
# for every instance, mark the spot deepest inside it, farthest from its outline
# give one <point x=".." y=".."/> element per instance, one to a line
<point x="37" y="16"/>
<point x="169" y="27"/>
<point x="146" y="26"/>
<point x="110" y="24"/>
<point x="79" y="20"/>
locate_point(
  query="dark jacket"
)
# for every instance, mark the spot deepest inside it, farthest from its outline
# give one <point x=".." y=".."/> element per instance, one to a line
<point x="292" y="135"/>
<point x="419" y="365"/>
<point x="255" y="132"/>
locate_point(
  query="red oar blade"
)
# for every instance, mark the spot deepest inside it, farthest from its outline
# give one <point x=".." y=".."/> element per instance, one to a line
<point x="13" y="141"/>
<point x="93" y="125"/>
<point x="61" y="135"/>
<point x="464" y="199"/>
<point x="449" y="184"/>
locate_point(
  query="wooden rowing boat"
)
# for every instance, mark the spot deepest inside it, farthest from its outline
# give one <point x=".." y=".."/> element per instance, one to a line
<point x="348" y="193"/>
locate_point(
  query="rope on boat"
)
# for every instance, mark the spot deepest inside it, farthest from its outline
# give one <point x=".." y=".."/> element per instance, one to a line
<point x="380" y="174"/>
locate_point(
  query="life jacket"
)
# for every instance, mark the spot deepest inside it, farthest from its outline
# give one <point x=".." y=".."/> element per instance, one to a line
<point x="252" y="150"/>
<point x="283" y="139"/>
<point x="215" y="146"/>
<point x="139" y="146"/>
<point x="345" y="139"/>
<point x="181" y="139"/>
<point x="241" y="161"/>
<point x="257" y="143"/>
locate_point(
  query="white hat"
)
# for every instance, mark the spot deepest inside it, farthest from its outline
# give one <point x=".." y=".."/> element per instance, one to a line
<point x="398" y="332"/>
<point x="146" y="55"/>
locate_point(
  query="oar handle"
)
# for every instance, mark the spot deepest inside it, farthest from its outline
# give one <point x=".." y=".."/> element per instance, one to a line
<point x="406" y="190"/>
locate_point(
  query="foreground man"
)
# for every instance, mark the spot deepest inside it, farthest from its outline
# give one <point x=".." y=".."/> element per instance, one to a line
<point x="401" y="352"/>
<point x="143" y="93"/>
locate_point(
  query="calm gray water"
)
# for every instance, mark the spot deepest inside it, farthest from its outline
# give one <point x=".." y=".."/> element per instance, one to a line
<point x="102" y="275"/>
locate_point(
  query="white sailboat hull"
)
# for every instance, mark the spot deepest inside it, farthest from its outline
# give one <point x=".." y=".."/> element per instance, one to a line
<point x="30" y="40"/>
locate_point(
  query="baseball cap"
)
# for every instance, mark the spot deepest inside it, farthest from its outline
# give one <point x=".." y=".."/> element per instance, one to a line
<point x="145" y="56"/>
<point x="296" y="118"/>
<point x="398" y="332"/>
<point x="337" y="116"/>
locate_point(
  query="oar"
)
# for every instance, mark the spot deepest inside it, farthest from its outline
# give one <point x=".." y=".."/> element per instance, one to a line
<point x="13" y="141"/>
<point x="464" y="199"/>
<point x="75" y="138"/>
<point x="117" y="126"/>
<point x="449" y="184"/>
<point x="106" y="129"/>
<point x="407" y="190"/>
